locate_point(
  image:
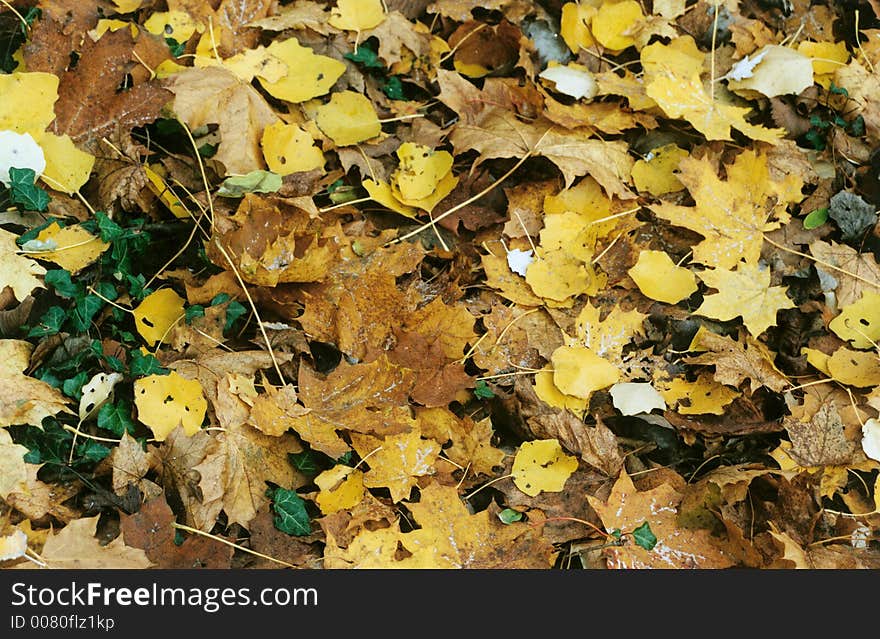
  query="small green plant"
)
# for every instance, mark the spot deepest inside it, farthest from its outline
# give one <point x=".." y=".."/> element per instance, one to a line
<point x="830" y="114"/>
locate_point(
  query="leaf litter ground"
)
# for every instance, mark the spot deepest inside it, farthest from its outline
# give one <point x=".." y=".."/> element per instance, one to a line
<point x="439" y="284"/>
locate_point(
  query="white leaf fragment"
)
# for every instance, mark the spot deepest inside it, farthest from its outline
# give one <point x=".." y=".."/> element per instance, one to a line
<point x="518" y="261"/>
<point x="632" y="398"/>
<point x="96" y="392"/>
<point x="571" y="80"/>
<point x="871" y="438"/>
<point x="19" y="151"/>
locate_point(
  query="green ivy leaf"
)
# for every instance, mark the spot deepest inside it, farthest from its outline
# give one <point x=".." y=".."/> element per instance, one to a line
<point x="24" y="192"/>
<point x="482" y="390"/>
<point x="51" y="444"/>
<point x="83" y="312"/>
<point x="50" y="323"/>
<point x="91" y="451"/>
<point x="194" y="311"/>
<point x="177" y="48"/>
<point x="73" y="387"/>
<point x="110" y="231"/>
<point x="644" y="537"/>
<point x="306" y="462"/>
<point x="393" y="88"/>
<point x="140" y="365"/>
<point x="233" y="312"/>
<point x="116" y="418"/>
<point x="60" y="280"/>
<point x="290" y="513"/>
<point x="366" y="56"/>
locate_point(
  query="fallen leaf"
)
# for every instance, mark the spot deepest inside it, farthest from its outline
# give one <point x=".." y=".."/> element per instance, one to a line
<point x="744" y="293"/>
<point x="166" y="401"/>
<point x="627" y="508"/>
<point x="542" y="466"/>
<point x="76" y="547"/>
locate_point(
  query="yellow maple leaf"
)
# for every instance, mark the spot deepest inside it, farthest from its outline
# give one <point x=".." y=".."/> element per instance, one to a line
<point x="289" y="149"/>
<point x="348" y="118"/>
<point x="542" y="466"/>
<point x="859" y="323"/>
<point x="155" y="316"/>
<point x="673" y="80"/>
<point x="607" y="337"/>
<point x="746" y="293"/>
<point x="660" y="279"/>
<point x="579" y="371"/>
<point x="731" y="214"/>
<point x="397" y="461"/>
<point x="342" y="487"/>
<point x="165" y="402"/>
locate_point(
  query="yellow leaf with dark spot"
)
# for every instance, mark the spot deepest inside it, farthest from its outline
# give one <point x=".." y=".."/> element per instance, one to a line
<point x="288" y="149"/>
<point x="155" y="316"/>
<point x="309" y="75"/>
<point x="172" y="24"/>
<point x="420" y="170"/>
<point x="165" y="402"/>
<point x="542" y="466"/>
<point x="859" y="323"/>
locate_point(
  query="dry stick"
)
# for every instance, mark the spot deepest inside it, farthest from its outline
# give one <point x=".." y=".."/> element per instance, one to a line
<point x="822" y="262"/>
<point x="474" y="198"/>
<point x="201" y="165"/>
<point x="452" y="51"/>
<point x="486" y="485"/>
<point x="254" y="309"/>
<point x="196" y="531"/>
<point x="712" y="55"/>
<point x="579" y="521"/>
<point x="27" y="27"/>
<point x="859" y="42"/>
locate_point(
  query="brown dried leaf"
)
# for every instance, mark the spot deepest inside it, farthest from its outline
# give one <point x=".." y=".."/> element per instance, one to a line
<point x="151" y="530"/>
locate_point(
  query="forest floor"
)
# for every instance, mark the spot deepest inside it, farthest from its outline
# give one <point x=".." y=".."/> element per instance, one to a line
<point x="402" y="283"/>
